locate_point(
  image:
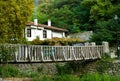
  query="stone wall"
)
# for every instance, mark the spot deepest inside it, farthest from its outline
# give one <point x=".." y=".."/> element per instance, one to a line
<point x="89" y="66"/>
<point x="46" y="68"/>
<point x="82" y="35"/>
<point x="49" y="68"/>
<point x="111" y="68"/>
<point x="115" y="68"/>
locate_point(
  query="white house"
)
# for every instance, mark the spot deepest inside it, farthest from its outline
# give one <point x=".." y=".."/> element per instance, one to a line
<point x="33" y="30"/>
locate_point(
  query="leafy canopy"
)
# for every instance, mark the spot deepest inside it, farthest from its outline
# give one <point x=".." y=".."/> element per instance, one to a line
<point x="13" y="16"/>
<point x="82" y="15"/>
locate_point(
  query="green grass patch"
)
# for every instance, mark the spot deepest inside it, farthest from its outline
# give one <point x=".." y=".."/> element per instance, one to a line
<point x="85" y="77"/>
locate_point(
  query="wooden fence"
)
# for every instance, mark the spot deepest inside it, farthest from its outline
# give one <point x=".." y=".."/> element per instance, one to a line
<point x="38" y="53"/>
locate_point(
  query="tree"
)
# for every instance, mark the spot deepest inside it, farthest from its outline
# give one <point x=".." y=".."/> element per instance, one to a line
<point x="60" y="12"/>
<point x="43" y="8"/>
<point x="101" y="17"/>
<point x="81" y="15"/>
<point x="14" y="14"/>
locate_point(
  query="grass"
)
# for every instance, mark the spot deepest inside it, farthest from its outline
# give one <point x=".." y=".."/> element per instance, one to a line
<point x="65" y="73"/>
<point x="85" y="77"/>
<point x="10" y="71"/>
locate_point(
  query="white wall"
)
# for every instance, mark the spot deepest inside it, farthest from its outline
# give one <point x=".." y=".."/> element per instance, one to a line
<point x="34" y="34"/>
<point x="39" y="32"/>
<point x="58" y="34"/>
<point x="49" y="34"/>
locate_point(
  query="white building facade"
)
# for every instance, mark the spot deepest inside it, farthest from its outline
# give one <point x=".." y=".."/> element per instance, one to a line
<point x="33" y="30"/>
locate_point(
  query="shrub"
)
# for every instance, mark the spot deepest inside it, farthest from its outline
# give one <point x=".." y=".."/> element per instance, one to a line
<point x="10" y="71"/>
<point x="104" y="63"/>
<point x="66" y="69"/>
<point x="57" y="41"/>
<point x="36" y="41"/>
<point x="34" y="74"/>
<point x="25" y="73"/>
<point x="6" y="53"/>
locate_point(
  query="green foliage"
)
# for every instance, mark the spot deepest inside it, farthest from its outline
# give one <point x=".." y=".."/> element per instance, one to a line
<point x="60" y="12"/>
<point x="66" y="69"/>
<point x="0" y="71"/>
<point x="44" y="78"/>
<point x="104" y="64"/>
<point x="14" y="15"/>
<point x="101" y="16"/>
<point x="37" y="41"/>
<point x="85" y="77"/>
<point x="9" y="71"/>
<point x="28" y="73"/>
<point x="58" y="78"/>
<point x="34" y="74"/>
<point x="95" y="77"/>
<point x="25" y="41"/>
<point x="65" y="78"/>
<point x="82" y="15"/>
<point x="40" y="69"/>
<point x="115" y="78"/>
<point x="57" y="41"/>
<point x="102" y="35"/>
<point x="12" y="71"/>
<point x="6" y="53"/>
<point x="91" y="77"/>
<point x="77" y="66"/>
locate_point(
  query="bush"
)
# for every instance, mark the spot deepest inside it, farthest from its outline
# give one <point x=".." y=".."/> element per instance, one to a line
<point x="6" y="53"/>
<point x="36" y="41"/>
<point x="57" y="41"/>
<point x="104" y="63"/>
<point x="62" y="70"/>
<point x="9" y="71"/>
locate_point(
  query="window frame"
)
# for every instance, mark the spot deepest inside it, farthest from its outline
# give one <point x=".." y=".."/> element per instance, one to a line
<point x="44" y="34"/>
<point x="28" y="32"/>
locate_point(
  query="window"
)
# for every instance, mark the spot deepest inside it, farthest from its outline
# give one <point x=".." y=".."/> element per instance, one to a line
<point x="28" y="32"/>
<point x="44" y="34"/>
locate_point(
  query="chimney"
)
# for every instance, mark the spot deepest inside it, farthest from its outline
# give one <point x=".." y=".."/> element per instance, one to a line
<point x="49" y="22"/>
<point x="35" y="21"/>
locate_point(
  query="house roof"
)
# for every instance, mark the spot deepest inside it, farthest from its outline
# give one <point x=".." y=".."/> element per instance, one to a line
<point x="47" y="27"/>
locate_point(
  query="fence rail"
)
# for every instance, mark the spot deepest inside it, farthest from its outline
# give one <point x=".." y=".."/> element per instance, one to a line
<point x="37" y="53"/>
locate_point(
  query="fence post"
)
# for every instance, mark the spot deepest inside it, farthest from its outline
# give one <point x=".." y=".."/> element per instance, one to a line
<point x="105" y="47"/>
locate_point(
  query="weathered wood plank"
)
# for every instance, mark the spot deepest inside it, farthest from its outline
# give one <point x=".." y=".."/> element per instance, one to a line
<point x="38" y="53"/>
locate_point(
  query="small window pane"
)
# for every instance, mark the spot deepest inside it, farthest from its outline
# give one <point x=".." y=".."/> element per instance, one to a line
<point x="28" y="32"/>
<point x="44" y="34"/>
